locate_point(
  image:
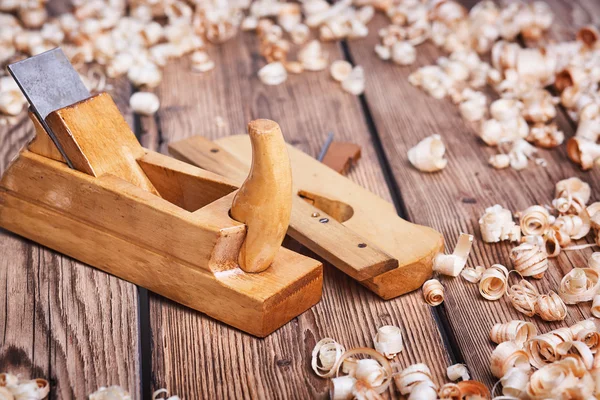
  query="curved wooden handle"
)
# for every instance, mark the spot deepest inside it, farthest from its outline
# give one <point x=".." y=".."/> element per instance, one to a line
<point x="264" y="201"/>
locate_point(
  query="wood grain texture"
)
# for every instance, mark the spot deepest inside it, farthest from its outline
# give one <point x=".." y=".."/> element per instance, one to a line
<point x="453" y="200"/>
<point x="60" y="319"/>
<point x="196" y="357"/>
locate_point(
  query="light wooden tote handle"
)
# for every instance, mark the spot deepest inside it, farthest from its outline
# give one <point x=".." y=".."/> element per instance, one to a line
<point x="264" y="201"/>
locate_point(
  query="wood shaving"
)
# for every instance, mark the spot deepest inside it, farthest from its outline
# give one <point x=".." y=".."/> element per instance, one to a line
<point x="453" y="264"/>
<point x="579" y="285"/>
<point x="514" y="382"/>
<point x="164" y="393"/>
<point x="529" y="260"/>
<point x="273" y="74"/>
<point x="596" y="306"/>
<point x="565" y="376"/>
<point x="201" y="62"/>
<point x="571" y="195"/>
<point x="355" y="82"/>
<point x="412" y="376"/>
<point x="433" y="292"/>
<point x="493" y="282"/>
<point x="472" y="274"/>
<point x="515" y="331"/>
<point x="449" y="391"/>
<point x="591" y="338"/>
<point x="499" y="161"/>
<point x="574" y="226"/>
<point x="403" y="53"/>
<point x="594" y="261"/>
<point x="342" y="388"/>
<point x="542" y="349"/>
<point x="523" y="296"/>
<point x="12" y="386"/>
<point x="428" y="154"/>
<point x="325" y="357"/>
<point x="144" y="103"/>
<point x="577" y="348"/>
<point x="473" y="390"/>
<point x="458" y="371"/>
<point x="550" y="307"/>
<point x="497" y="224"/>
<point x="388" y="341"/>
<point x="340" y="70"/>
<point x="375" y="373"/>
<point x="508" y="355"/>
<point x="535" y="220"/>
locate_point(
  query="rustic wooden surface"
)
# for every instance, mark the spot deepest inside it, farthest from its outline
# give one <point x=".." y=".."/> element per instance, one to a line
<point x="83" y="329"/>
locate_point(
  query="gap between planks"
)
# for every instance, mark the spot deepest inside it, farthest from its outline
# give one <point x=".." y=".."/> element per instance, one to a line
<point x="439" y="312"/>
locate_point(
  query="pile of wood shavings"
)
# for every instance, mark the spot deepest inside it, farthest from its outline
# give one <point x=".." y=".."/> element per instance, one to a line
<point x="355" y="376"/>
<point x="565" y="361"/>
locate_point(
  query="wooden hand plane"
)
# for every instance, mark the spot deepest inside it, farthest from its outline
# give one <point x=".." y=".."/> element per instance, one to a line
<point x="347" y="225"/>
<point x="86" y="188"/>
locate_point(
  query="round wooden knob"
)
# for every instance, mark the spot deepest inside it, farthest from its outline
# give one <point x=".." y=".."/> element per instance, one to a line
<point x="264" y="201"/>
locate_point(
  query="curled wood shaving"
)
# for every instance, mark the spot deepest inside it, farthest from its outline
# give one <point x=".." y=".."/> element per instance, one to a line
<point x="424" y="391"/>
<point x="516" y="331"/>
<point x="411" y="376"/>
<point x="164" y="393"/>
<point x="144" y="103"/>
<point x="574" y="226"/>
<point x="542" y="349"/>
<point x="453" y="264"/>
<point x="388" y="341"/>
<point x="456" y="371"/>
<point x="565" y="376"/>
<point x="493" y="282"/>
<point x="523" y="296"/>
<point x="273" y="74"/>
<point x="449" y="391"/>
<point x="578" y="349"/>
<point x="342" y="388"/>
<point x="325" y="357"/>
<point x="376" y="372"/>
<point x="473" y="390"/>
<point x="581" y="326"/>
<point x="550" y="307"/>
<point x="530" y="260"/>
<point x="508" y="355"/>
<point x="428" y="154"/>
<point x="571" y="195"/>
<point x="433" y="292"/>
<point x="12" y="386"/>
<point x="473" y="274"/>
<point x="340" y="70"/>
<point x="535" y="220"/>
<point x="370" y="372"/>
<point x="596" y="306"/>
<point x="554" y="238"/>
<point x="579" y="285"/>
<point x="497" y="224"/>
<point x="362" y="391"/>
<point x="591" y="338"/>
<point x="514" y="382"/>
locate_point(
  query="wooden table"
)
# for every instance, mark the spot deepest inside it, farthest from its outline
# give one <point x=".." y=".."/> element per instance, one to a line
<point x="82" y="328"/>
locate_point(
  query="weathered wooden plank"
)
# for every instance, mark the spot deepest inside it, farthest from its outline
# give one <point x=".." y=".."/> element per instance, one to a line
<point x="453" y="200"/>
<point x="62" y="320"/>
<point x="197" y="357"/>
